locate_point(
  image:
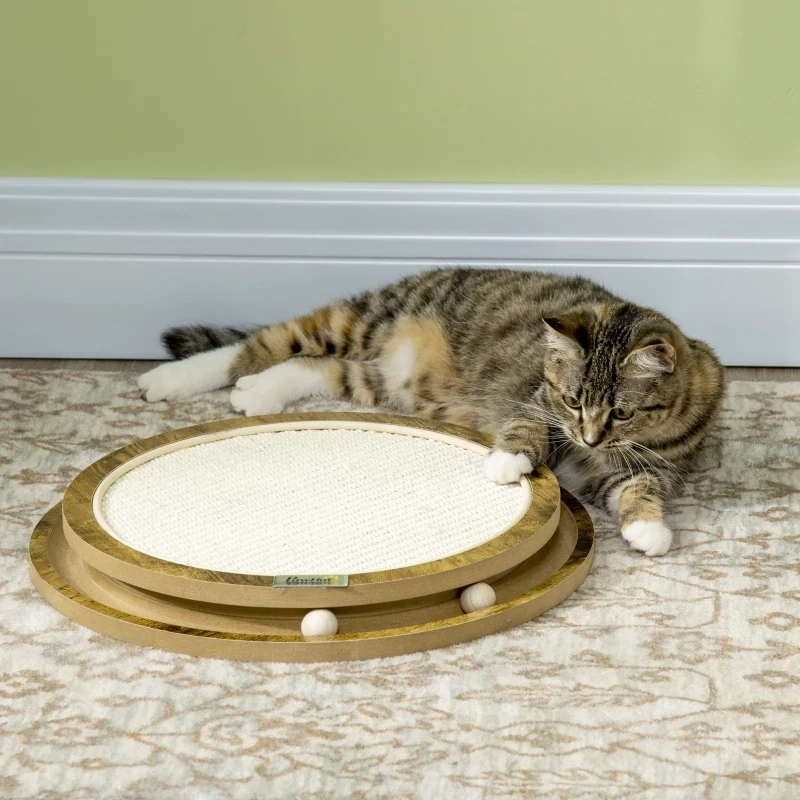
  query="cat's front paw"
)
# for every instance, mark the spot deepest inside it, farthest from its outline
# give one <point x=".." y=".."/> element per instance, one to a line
<point x="500" y="466"/>
<point x="653" y="538"/>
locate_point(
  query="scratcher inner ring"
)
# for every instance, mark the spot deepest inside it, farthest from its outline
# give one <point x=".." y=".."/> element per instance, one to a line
<point x="311" y="502"/>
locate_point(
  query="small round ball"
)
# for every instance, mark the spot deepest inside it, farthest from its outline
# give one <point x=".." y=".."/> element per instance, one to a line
<point x="319" y="622"/>
<point x="477" y="597"/>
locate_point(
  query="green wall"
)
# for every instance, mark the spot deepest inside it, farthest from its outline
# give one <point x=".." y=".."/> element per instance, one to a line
<point x="531" y="91"/>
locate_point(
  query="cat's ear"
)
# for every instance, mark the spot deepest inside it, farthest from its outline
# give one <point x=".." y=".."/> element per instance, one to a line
<point x="569" y="332"/>
<point x="653" y="357"/>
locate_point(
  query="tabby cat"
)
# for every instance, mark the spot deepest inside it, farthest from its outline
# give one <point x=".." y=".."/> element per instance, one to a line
<point x="560" y="371"/>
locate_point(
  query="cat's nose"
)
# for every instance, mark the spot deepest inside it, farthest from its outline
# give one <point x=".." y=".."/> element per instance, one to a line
<point x="593" y="438"/>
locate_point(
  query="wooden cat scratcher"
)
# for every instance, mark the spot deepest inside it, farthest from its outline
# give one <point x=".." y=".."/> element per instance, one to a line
<point x="219" y="539"/>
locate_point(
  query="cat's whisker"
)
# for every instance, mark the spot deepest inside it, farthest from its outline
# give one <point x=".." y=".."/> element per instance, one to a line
<point x="564" y="444"/>
<point x="541" y="414"/>
<point x="666" y="475"/>
<point x="642" y="466"/>
<point x="670" y="466"/>
<point x="632" y="443"/>
<point x="618" y="466"/>
<point x="628" y="464"/>
<point x="537" y="412"/>
<point x="537" y="406"/>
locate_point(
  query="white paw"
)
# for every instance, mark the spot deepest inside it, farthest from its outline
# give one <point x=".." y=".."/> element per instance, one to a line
<point x="653" y="538"/>
<point x="272" y="390"/>
<point x="171" y="381"/>
<point x="500" y="466"/>
<point x="254" y="397"/>
<point x="249" y="381"/>
<point x="203" y="372"/>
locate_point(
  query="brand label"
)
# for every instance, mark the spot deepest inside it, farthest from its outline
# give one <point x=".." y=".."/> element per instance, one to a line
<point x="306" y="581"/>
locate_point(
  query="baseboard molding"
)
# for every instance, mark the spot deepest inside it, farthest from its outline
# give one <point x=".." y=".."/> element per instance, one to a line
<point x="152" y="218"/>
<point x="96" y="268"/>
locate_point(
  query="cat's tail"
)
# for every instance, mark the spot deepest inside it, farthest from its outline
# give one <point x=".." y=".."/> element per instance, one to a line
<point x="188" y="340"/>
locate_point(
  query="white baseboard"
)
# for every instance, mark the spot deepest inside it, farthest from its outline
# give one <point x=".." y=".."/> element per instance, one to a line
<point x="97" y="268"/>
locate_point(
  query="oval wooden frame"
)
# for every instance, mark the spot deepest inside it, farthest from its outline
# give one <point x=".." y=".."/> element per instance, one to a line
<point x="102" y="551"/>
<point x="370" y="644"/>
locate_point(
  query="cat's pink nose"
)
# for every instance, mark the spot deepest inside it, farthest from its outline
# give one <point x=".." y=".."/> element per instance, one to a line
<point x="593" y="438"/>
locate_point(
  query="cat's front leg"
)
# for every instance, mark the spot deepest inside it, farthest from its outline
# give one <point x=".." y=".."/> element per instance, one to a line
<point x="639" y="505"/>
<point x="519" y="447"/>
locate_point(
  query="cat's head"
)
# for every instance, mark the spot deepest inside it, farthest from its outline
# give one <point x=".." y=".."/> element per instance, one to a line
<point x="613" y="372"/>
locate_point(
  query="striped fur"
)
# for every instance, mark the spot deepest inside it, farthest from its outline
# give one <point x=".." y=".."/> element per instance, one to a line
<point x="186" y="341"/>
<point x="611" y="394"/>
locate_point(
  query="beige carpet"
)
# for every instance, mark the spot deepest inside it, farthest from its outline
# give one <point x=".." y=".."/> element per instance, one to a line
<point x="670" y="678"/>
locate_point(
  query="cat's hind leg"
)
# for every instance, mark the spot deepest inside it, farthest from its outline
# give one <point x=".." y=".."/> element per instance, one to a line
<point x="325" y="332"/>
<point x="270" y="391"/>
<point x="321" y="333"/>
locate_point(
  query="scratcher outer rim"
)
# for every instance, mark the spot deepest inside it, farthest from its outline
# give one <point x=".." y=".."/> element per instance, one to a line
<point x="105" y="553"/>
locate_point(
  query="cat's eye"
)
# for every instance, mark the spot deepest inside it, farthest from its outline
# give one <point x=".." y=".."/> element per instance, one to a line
<point x="621" y="414"/>
<point x="571" y="401"/>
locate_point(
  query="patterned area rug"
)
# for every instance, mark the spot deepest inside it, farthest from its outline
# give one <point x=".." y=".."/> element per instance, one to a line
<point x="676" y="677"/>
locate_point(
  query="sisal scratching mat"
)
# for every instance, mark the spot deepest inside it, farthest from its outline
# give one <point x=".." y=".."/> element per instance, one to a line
<point x="307" y="537"/>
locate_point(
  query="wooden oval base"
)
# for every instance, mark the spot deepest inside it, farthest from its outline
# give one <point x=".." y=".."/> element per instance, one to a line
<point x="272" y="634"/>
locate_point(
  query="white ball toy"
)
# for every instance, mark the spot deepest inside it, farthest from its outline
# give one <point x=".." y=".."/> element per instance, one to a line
<point x="477" y="597"/>
<point x="319" y="622"/>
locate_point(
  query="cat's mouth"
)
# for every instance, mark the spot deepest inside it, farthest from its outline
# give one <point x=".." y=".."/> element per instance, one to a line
<point x="603" y="446"/>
